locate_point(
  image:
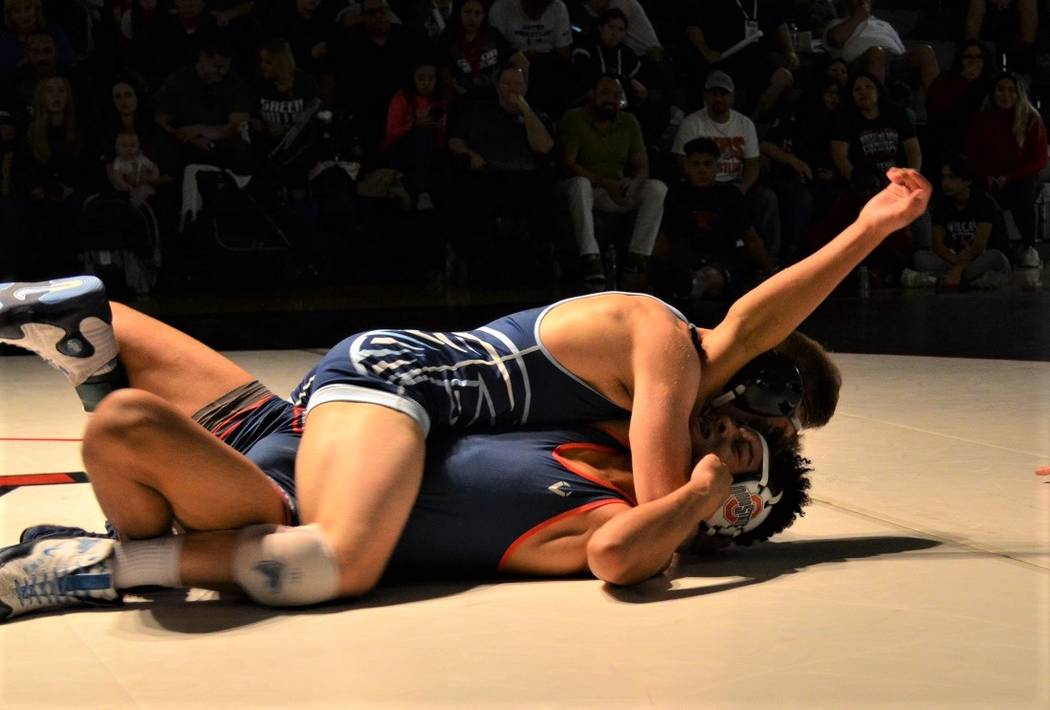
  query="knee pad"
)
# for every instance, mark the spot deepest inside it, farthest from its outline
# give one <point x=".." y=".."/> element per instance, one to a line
<point x="285" y="566"/>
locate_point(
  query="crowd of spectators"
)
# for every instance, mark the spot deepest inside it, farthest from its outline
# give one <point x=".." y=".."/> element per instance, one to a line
<point x="706" y="143"/>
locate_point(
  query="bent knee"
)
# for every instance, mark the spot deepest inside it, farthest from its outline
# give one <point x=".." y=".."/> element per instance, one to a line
<point x="122" y="420"/>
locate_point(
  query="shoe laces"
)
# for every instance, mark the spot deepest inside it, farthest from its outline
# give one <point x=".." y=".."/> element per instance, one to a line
<point x="48" y="587"/>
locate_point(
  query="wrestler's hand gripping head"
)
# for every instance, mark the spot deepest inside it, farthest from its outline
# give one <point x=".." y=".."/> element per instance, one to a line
<point x="749" y="502"/>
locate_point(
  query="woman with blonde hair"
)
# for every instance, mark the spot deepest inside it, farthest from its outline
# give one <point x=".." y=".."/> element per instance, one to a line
<point x="284" y="99"/>
<point x="53" y="169"/>
<point x="21" y="19"/>
<point x="1007" y="144"/>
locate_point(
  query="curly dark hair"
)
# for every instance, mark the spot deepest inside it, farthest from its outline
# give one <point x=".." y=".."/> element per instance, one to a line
<point x="788" y="474"/>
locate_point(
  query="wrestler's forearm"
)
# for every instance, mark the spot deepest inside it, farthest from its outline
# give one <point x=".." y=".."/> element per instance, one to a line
<point x="638" y="543"/>
<point x="767" y="314"/>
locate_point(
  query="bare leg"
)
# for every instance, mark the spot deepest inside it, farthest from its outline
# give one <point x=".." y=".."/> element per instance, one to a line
<point x="150" y="465"/>
<point x="166" y="362"/>
<point x="357" y="475"/>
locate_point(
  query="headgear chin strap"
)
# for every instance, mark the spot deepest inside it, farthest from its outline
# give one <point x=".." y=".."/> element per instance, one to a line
<point x="748" y="504"/>
<point x="768" y="386"/>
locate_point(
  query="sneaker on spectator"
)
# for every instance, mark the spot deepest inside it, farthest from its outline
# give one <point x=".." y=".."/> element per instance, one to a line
<point x="910" y="278"/>
<point x="1031" y="268"/>
<point x="592" y="268"/>
<point x="424" y="203"/>
<point x="991" y="280"/>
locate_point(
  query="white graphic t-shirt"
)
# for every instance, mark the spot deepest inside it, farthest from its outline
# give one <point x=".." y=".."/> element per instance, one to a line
<point x="736" y="138"/>
<point x="551" y="31"/>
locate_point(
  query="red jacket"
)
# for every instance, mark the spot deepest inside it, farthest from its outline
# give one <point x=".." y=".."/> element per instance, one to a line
<point x="399" y="118"/>
<point x="991" y="145"/>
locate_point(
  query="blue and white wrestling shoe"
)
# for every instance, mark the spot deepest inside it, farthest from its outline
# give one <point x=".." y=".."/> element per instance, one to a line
<point x="48" y="531"/>
<point x="67" y="322"/>
<point x="43" y="575"/>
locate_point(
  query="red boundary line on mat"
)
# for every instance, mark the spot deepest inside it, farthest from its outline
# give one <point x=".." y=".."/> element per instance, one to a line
<point x="22" y="438"/>
<point x="9" y="483"/>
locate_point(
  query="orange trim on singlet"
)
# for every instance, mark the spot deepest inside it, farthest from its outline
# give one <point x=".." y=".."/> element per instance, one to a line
<point x="551" y="521"/>
<point x="572" y="466"/>
<point x="608" y="431"/>
<point x="223" y="434"/>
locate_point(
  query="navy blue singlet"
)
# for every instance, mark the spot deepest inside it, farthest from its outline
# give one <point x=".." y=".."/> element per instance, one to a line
<point x="496" y="375"/>
<point x="484" y="493"/>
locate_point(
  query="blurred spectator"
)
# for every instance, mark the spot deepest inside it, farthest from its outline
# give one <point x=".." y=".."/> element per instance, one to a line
<point x="428" y="19"/>
<point x="22" y="18"/>
<point x="41" y="62"/>
<point x="641" y="37"/>
<point x="307" y="25"/>
<point x="837" y="69"/>
<point x="502" y="144"/>
<point x="473" y="53"/>
<point x="740" y="161"/>
<point x="1012" y="24"/>
<point x="127" y="113"/>
<point x="714" y="27"/>
<point x="605" y="53"/>
<point x="53" y="170"/>
<point x="205" y="107"/>
<point x="963" y="220"/>
<point x="708" y="246"/>
<point x="281" y="93"/>
<point x="416" y="131"/>
<point x="370" y="62"/>
<point x="354" y="13"/>
<point x="165" y="46"/>
<point x="802" y="171"/>
<point x="873" y="45"/>
<point x="237" y="20"/>
<point x="954" y="98"/>
<point x="141" y="15"/>
<point x="131" y="171"/>
<point x="602" y="152"/>
<point x="872" y="136"/>
<point x="541" y="30"/>
<point x="1007" y="143"/>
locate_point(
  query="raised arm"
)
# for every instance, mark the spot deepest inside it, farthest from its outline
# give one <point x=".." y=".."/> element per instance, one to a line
<point x="766" y="315"/>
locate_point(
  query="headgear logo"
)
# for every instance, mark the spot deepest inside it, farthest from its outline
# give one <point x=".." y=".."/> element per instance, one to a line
<point x="741" y="506"/>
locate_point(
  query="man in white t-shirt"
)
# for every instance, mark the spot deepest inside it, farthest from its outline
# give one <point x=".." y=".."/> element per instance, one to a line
<point x="740" y="164"/>
<point x="870" y="44"/>
<point x="540" y="29"/>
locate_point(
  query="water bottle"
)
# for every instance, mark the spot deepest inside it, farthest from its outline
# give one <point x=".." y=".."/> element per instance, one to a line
<point x="609" y="262"/>
<point x="864" y="282"/>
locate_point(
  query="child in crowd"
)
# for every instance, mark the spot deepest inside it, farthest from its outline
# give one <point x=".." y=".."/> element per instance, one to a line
<point x="963" y="220"/>
<point x="708" y="246"/>
<point x="131" y="171"/>
<point x="416" y="130"/>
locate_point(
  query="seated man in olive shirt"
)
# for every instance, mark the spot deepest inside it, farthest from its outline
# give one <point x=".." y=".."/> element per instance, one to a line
<point x="603" y="157"/>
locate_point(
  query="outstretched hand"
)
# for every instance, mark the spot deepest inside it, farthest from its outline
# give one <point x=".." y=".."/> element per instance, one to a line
<point x="899" y="204"/>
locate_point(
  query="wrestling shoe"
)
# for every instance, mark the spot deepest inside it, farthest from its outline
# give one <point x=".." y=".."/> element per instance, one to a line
<point x="51" y="574"/>
<point x="68" y="323"/>
<point x="48" y="531"/>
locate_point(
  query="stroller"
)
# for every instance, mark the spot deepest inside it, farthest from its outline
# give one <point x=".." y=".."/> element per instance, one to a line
<point x="117" y="236"/>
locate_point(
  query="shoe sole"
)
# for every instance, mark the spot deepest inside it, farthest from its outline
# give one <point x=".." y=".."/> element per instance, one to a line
<point x="34" y="303"/>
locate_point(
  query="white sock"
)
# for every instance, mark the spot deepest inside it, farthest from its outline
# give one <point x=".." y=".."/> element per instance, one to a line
<point x="140" y="563"/>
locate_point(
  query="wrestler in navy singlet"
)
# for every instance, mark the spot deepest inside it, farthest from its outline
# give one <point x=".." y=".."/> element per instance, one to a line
<point x="487" y="377"/>
<point x="482" y="493"/>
